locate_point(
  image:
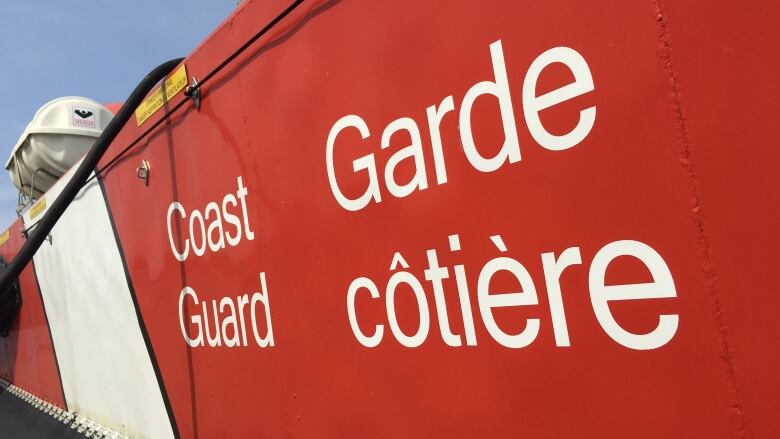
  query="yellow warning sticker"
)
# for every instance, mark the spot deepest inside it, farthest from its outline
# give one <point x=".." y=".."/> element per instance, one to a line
<point x="37" y="208"/>
<point x="172" y="85"/>
<point x="4" y="236"/>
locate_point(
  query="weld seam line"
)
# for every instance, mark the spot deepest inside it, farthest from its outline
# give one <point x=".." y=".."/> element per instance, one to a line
<point x="707" y="265"/>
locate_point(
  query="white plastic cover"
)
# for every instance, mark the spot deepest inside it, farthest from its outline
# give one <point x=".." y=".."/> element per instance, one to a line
<point x="59" y="134"/>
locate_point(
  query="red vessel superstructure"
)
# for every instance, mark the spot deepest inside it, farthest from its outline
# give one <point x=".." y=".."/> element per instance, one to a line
<point x="428" y="219"/>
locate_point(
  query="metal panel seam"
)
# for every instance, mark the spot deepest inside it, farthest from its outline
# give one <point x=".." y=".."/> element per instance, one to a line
<point x="686" y="161"/>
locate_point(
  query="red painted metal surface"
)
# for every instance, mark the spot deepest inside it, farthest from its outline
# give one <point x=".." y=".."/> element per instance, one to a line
<point x="268" y="121"/>
<point x="728" y="94"/>
<point x="26" y="356"/>
<point x="680" y="158"/>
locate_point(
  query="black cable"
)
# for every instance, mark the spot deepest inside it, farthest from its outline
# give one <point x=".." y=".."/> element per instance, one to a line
<point x="249" y="42"/>
<point x="190" y="91"/>
<point x="79" y="178"/>
<point x="82" y="175"/>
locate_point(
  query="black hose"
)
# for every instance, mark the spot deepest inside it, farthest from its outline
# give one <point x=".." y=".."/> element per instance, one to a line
<point x="192" y="89"/>
<point x="57" y="208"/>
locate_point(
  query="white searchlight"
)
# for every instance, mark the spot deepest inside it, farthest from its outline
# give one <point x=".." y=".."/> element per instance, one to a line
<point x="60" y="133"/>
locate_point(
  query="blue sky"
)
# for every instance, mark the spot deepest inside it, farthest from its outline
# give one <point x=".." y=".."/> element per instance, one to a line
<point x="100" y="50"/>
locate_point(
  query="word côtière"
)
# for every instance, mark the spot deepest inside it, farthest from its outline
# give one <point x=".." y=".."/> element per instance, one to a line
<point x="364" y="293"/>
